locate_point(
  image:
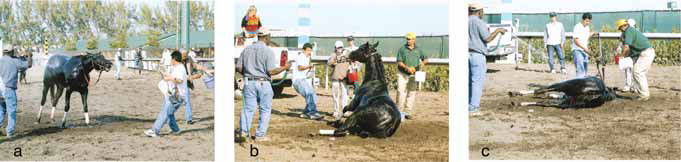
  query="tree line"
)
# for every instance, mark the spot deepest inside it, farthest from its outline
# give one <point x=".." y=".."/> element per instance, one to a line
<point x="62" y="23"/>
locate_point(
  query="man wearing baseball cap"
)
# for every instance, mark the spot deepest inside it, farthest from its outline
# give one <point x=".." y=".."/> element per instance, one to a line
<point x="410" y="58"/>
<point x="340" y="64"/>
<point x="9" y="69"/>
<point x="478" y="37"/>
<point x="554" y="37"/>
<point x="637" y="46"/>
<point x="256" y="63"/>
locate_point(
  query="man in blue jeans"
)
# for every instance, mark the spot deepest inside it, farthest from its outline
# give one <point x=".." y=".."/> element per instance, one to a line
<point x="9" y="69"/>
<point x="256" y="63"/>
<point x="478" y="37"/>
<point x="176" y="83"/>
<point x="303" y="86"/>
<point x="554" y="37"/>
<point x="580" y="45"/>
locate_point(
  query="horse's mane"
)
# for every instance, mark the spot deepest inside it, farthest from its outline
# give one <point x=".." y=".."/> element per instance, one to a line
<point x="375" y="70"/>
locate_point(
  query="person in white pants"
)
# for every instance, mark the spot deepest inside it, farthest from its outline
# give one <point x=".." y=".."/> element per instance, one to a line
<point x="340" y="64"/>
<point x="637" y="46"/>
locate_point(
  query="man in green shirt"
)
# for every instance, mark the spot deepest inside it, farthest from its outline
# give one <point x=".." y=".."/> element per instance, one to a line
<point x="410" y="59"/>
<point x="637" y="46"/>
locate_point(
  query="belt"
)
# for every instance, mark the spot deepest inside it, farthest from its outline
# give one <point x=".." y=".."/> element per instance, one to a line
<point x="258" y="79"/>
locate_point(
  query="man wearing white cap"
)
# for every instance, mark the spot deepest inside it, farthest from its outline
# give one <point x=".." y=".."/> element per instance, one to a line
<point x="9" y="69"/>
<point x="340" y="63"/>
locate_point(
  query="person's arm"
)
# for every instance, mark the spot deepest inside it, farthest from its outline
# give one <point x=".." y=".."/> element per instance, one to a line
<point x="22" y="65"/>
<point x="169" y="77"/>
<point x="273" y="70"/>
<point x="562" y="35"/>
<point x="494" y="34"/>
<point x="546" y="35"/>
<point x="400" y="63"/>
<point x="576" y="35"/>
<point x="240" y="63"/>
<point x="332" y="60"/>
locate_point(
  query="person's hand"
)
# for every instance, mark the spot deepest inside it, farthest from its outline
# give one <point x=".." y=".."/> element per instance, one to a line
<point x="595" y="33"/>
<point x="412" y="70"/>
<point x="501" y="30"/>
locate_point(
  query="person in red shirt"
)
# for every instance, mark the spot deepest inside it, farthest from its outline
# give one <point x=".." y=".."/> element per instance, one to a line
<point x="250" y="24"/>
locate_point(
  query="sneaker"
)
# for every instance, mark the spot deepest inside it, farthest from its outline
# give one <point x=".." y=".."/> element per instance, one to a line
<point x="261" y="139"/>
<point x="563" y="71"/>
<point x="315" y="116"/>
<point x="553" y="71"/>
<point x="474" y="111"/>
<point x="190" y="122"/>
<point x="175" y="132"/>
<point x="408" y="117"/>
<point x="150" y="133"/>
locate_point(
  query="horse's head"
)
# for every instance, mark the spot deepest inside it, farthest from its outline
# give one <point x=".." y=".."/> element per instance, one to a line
<point x="97" y="61"/>
<point x="364" y="52"/>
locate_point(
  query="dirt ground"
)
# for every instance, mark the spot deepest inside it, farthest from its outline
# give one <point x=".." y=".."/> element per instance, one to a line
<point x="296" y="139"/>
<point x="119" y="113"/>
<point x="621" y="129"/>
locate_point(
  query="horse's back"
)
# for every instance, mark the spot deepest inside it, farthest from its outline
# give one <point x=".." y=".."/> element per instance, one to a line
<point x="54" y="68"/>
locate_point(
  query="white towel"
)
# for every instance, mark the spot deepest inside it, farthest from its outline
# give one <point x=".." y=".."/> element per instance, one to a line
<point x="626" y="62"/>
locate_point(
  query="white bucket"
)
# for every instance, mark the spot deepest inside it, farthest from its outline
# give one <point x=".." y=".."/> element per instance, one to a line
<point x="420" y="76"/>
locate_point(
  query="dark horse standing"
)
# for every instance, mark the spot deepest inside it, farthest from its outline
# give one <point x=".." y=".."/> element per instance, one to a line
<point x="374" y="112"/>
<point x="589" y="92"/>
<point x="73" y="74"/>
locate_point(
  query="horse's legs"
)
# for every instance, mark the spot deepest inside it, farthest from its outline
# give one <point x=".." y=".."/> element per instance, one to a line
<point x="349" y="123"/>
<point x="43" y="99"/>
<point x="67" y="100"/>
<point x="55" y="100"/>
<point x="83" y="96"/>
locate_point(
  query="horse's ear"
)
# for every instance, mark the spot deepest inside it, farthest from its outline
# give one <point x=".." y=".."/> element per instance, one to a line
<point x="375" y="45"/>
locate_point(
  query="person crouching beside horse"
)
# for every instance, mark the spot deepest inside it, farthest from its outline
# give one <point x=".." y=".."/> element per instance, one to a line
<point x="173" y="85"/>
<point x="9" y="67"/>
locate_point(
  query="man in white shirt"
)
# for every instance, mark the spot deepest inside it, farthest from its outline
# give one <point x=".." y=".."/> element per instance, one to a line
<point x="177" y="82"/>
<point x="300" y="69"/>
<point x="554" y="37"/>
<point x="580" y="45"/>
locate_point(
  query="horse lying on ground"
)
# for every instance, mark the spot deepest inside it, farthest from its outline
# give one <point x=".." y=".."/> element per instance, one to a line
<point x="73" y="74"/>
<point x="374" y="112"/>
<point x="589" y="92"/>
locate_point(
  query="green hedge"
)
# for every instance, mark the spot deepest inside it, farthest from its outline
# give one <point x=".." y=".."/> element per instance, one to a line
<point x="437" y="76"/>
<point x="666" y="50"/>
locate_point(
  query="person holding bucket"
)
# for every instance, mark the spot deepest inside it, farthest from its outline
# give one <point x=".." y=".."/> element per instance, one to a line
<point x="193" y="70"/>
<point x="340" y="64"/>
<point x="410" y="59"/>
<point x="637" y="46"/>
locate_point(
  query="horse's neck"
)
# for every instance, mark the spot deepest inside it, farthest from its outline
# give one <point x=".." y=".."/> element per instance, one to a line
<point x="375" y="70"/>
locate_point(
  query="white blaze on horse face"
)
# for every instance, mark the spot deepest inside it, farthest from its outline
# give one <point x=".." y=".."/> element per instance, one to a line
<point x="87" y="119"/>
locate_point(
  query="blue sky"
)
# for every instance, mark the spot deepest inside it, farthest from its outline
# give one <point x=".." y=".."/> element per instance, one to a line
<point x="358" y="17"/>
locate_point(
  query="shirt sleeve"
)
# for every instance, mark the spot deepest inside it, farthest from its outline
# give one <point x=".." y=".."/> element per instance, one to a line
<point x="271" y="64"/>
<point x="332" y="59"/>
<point x="562" y="33"/>
<point x="629" y="37"/>
<point x="21" y="64"/>
<point x="239" y="61"/>
<point x="546" y="34"/>
<point x="399" y="55"/>
<point x="483" y="30"/>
